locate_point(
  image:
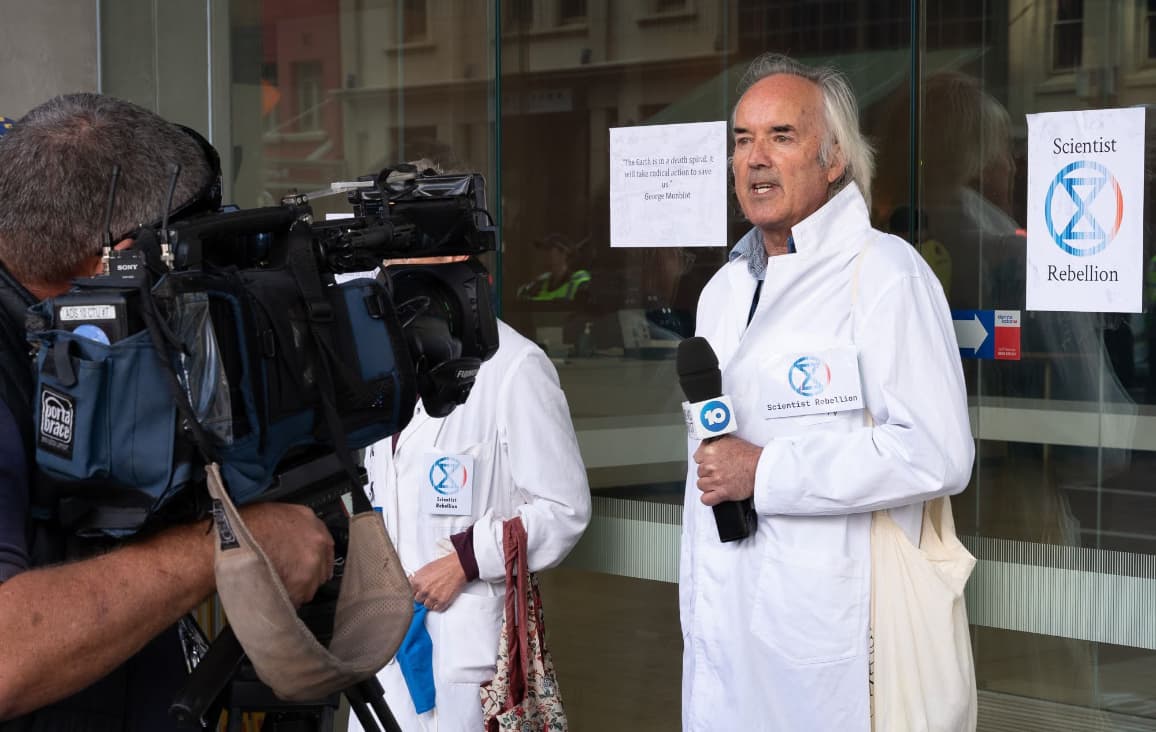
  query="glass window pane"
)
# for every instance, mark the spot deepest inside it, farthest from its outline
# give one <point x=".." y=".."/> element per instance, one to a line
<point x="1066" y="515"/>
<point x="571" y="11"/>
<point x="1150" y="28"/>
<point x="1060" y="508"/>
<point x="1069" y="9"/>
<point x="414" y="19"/>
<point x="1068" y="45"/>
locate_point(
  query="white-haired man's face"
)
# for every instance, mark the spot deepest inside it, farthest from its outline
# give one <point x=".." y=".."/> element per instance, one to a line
<point x="779" y="180"/>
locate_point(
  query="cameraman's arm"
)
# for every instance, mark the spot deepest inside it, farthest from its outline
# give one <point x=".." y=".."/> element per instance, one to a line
<point x="64" y="627"/>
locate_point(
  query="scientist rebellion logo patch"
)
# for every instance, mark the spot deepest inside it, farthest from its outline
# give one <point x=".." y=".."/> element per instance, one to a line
<point x="57" y="420"/>
<point x="809" y="376"/>
<point x="447" y="475"/>
<point x="1085" y="218"/>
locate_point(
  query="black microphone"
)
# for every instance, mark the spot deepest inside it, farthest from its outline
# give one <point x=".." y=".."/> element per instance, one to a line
<point x="708" y="412"/>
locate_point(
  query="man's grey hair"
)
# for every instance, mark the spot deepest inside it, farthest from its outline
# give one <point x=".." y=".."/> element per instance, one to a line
<point x="55" y="167"/>
<point x="840" y="112"/>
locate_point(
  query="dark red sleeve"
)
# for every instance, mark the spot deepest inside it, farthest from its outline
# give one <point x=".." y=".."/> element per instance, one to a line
<point x="464" y="545"/>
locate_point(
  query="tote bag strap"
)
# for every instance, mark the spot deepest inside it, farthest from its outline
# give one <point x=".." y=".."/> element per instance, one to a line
<point x="936" y="512"/>
<point x="518" y="587"/>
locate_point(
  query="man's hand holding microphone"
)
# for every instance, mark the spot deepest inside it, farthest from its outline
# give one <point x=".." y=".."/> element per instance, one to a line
<point x="726" y="464"/>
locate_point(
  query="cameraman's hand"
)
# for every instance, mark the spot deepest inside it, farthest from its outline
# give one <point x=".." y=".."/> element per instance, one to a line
<point x="296" y="542"/>
<point x="437" y="584"/>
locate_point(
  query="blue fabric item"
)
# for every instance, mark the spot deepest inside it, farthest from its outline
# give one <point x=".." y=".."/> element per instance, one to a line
<point x="415" y="657"/>
<point x="5" y="125"/>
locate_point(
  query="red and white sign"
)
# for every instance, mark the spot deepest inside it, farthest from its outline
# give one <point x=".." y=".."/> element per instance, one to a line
<point x="1007" y="335"/>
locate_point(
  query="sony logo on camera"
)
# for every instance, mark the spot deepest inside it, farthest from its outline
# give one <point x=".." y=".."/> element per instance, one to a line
<point x="57" y="420"/>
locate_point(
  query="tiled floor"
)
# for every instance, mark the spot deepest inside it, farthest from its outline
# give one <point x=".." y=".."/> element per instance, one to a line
<point x="618" y="652"/>
<point x="617" y="648"/>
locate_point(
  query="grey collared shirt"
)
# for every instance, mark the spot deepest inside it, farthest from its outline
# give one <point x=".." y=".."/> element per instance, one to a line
<point x="751" y="246"/>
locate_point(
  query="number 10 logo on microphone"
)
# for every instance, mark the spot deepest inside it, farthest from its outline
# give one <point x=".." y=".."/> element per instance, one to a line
<point x="715" y="416"/>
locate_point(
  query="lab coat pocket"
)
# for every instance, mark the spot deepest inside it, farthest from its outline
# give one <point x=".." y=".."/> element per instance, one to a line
<point x="811" y="608"/>
<point x="468" y="642"/>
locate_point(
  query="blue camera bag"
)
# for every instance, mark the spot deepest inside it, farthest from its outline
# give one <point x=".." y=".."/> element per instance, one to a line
<point x="119" y="424"/>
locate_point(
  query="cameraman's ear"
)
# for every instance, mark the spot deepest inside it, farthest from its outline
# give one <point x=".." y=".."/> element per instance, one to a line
<point x="94" y="265"/>
<point x="90" y="267"/>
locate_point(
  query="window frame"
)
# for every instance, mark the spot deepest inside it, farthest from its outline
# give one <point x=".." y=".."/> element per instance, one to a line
<point x="1054" y="25"/>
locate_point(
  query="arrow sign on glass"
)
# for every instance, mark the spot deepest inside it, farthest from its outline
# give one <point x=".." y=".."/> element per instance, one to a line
<point x="990" y="334"/>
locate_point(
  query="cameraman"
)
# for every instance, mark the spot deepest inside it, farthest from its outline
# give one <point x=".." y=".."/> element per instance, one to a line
<point x="88" y="639"/>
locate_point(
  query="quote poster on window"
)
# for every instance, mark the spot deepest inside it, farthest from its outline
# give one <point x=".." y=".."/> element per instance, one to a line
<point x="668" y="185"/>
<point x="1085" y="213"/>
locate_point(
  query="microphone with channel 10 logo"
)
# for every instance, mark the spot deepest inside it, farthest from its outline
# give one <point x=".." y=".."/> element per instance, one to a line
<point x="710" y="414"/>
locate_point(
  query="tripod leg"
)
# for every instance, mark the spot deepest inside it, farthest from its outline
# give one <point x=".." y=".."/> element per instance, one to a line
<point x="369" y="692"/>
<point x="359" y="708"/>
<point x="234" y="723"/>
<point x="207" y="681"/>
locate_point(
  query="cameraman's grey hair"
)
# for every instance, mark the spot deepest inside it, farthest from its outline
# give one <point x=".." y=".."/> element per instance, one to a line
<point x="57" y="162"/>
<point x="840" y="111"/>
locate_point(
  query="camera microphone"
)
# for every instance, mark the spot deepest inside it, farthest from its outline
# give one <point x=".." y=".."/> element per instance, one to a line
<point x="710" y="414"/>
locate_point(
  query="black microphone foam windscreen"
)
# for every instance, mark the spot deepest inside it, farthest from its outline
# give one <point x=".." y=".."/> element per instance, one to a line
<point x="701" y="380"/>
<point x="698" y="370"/>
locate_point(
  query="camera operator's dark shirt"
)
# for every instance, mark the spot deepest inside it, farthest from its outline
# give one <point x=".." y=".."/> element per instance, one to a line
<point x="16" y="385"/>
<point x="135" y="697"/>
<point x="13" y="497"/>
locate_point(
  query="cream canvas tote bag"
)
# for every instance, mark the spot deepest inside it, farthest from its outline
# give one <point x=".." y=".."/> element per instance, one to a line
<point x="923" y="674"/>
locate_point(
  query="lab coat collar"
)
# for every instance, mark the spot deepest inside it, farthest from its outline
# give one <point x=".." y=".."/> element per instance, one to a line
<point x="841" y="219"/>
<point x="421" y="421"/>
<point x="841" y="223"/>
<point x="727" y="331"/>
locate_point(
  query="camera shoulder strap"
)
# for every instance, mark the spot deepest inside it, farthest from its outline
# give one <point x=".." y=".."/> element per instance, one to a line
<point x="164" y="340"/>
<point x="303" y="265"/>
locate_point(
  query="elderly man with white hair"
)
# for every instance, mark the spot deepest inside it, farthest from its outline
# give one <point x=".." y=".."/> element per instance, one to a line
<point x="837" y="349"/>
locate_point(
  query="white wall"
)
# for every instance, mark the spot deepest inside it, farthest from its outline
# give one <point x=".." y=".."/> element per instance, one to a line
<point x="47" y="47"/>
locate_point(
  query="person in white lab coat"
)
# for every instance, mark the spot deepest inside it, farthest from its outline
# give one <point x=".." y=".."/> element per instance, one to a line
<point x="515" y="437"/>
<point x="816" y="316"/>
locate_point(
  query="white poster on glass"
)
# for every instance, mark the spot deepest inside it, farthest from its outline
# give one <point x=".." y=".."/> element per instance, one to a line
<point x="668" y="185"/>
<point x="1085" y="213"/>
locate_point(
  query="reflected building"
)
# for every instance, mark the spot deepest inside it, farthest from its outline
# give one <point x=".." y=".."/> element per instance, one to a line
<point x="302" y="133"/>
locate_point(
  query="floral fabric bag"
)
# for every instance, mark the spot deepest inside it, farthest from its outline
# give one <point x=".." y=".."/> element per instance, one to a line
<point x="523" y="695"/>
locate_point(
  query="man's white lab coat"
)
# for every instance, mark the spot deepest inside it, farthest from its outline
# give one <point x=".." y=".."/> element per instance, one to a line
<point x="516" y="426"/>
<point x="776" y="626"/>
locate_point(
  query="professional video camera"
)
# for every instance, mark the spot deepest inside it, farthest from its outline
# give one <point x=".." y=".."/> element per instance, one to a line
<point x="226" y="337"/>
<point x="225" y="344"/>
